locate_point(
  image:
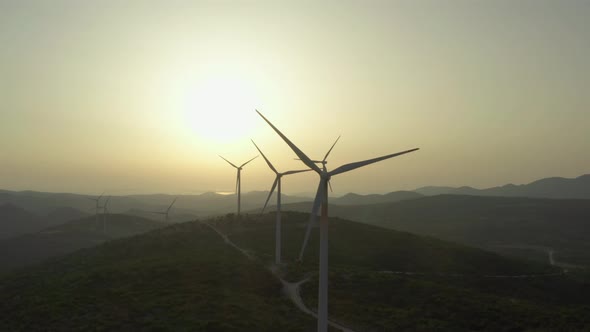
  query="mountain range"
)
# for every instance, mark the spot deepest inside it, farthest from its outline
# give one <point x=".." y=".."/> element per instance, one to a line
<point x="210" y="203"/>
<point x="554" y="187"/>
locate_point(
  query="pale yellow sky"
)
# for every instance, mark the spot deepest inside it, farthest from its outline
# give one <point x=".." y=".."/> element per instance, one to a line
<point x="141" y="96"/>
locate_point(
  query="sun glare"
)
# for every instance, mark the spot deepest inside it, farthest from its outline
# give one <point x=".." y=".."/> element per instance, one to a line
<point x="221" y="109"/>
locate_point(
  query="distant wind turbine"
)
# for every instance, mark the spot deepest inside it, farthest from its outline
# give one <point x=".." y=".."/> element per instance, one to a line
<point x="238" y="179"/>
<point x="166" y="214"/>
<point x="105" y="210"/>
<point x="277" y="184"/>
<point x="322" y="196"/>
<point x="97" y="209"/>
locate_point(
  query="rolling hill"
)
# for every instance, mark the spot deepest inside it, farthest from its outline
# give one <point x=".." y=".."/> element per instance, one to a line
<point x="179" y="278"/>
<point x="183" y="277"/>
<point x="356" y="199"/>
<point x="15" y="220"/>
<point x="68" y="237"/>
<point x="384" y="280"/>
<point x="492" y="223"/>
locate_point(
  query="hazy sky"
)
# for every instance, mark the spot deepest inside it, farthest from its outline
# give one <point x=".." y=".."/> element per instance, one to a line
<point x="141" y="96"/>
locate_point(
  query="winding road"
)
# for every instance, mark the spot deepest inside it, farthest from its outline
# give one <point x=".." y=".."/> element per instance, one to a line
<point x="518" y="276"/>
<point x="290" y="289"/>
<point x="549" y="251"/>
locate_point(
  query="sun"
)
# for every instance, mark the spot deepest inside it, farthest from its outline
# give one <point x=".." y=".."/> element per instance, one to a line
<point x="221" y="109"/>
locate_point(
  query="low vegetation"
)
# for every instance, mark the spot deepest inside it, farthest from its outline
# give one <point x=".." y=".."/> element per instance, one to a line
<point x="185" y="278"/>
<point x="180" y="278"/>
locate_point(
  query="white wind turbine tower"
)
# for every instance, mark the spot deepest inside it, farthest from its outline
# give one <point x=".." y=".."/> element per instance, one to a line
<point x="322" y="196"/>
<point x="239" y="179"/>
<point x="167" y="210"/>
<point x="97" y="209"/>
<point x="105" y="210"/>
<point x="277" y="184"/>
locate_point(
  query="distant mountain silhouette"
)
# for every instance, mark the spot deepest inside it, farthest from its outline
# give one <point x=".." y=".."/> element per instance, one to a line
<point x="434" y="190"/>
<point x="68" y="237"/>
<point x="485" y="222"/>
<point x="186" y="207"/>
<point x="356" y="199"/>
<point x="15" y="220"/>
<point x="554" y="187"/>
<point x="64" y="214"/>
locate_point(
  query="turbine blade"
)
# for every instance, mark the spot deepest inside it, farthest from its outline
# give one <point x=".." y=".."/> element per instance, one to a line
<point x="295" y="149"/>
<point x="328" y="153"/>
<point x="312" y="218"/>
<point x="315" y="161"/>
<point x="274" y="185"/>
<point x="295" y="172"/>
<point x="244" y="164"/>
<point x="330" y="185"/>
<point x="351" y="166"/>
<point x="229" y="162"/>
<point x="174" y="201"/>
<point x="263" y="156"/>
<point x="237" y="181"/>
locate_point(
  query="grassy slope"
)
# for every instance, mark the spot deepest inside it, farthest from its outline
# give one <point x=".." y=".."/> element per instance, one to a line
<point x="369" y="300"/>
<point x="182" y="277"/>
<point x="69" y="237"/>
<point x="359" y="245"/>
<point x="380" y="302"/>
<point x="486" y="222"/>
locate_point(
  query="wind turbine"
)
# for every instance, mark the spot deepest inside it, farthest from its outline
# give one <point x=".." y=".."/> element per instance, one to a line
<point x="238" y="179"/>
<point x="316" y="202"/>
<point x="277" y="184"/>
<point x="97" y="200"/>
<point x="105" y="210"/>
<point x="322" y="197"/>
<point x="167" y="210"/>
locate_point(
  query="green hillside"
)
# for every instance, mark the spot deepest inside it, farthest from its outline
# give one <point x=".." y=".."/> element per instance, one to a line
<point x="449" y="287"/>
<point x="184" y="277"/>
<point x="180" y="278"/>
<point x="383" y="302"/>
<point x="523" y="227"/>
<point x="69" y="237"/>
<point x="358" y="245"/>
